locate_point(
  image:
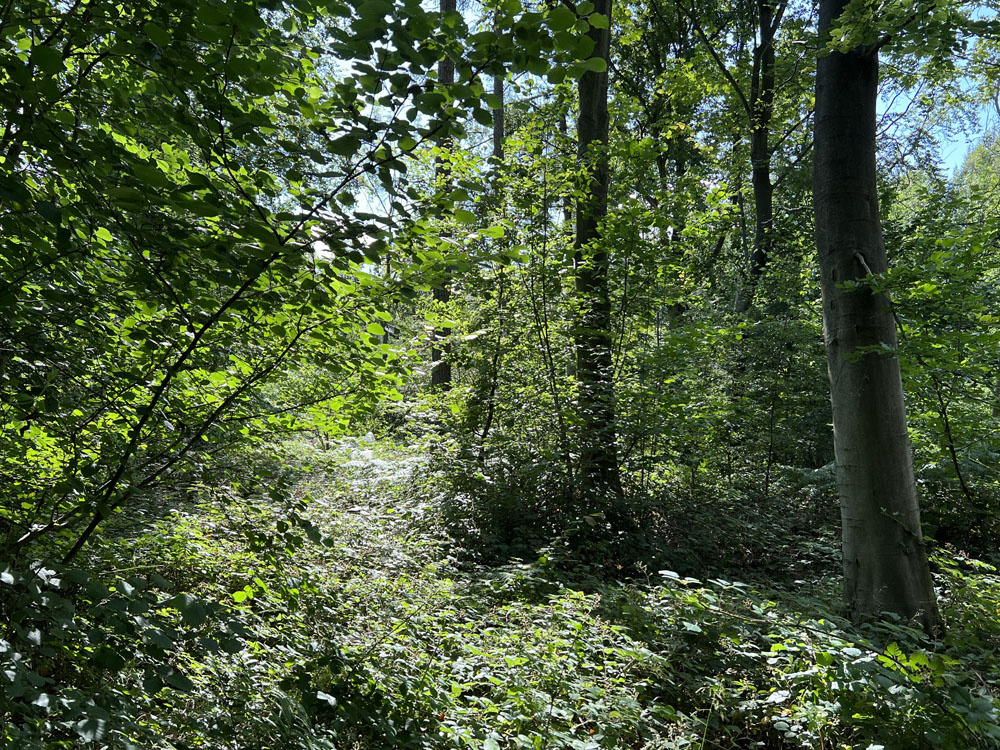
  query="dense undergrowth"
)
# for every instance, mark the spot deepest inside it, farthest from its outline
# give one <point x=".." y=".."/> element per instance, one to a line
<point x="342" y="614"/>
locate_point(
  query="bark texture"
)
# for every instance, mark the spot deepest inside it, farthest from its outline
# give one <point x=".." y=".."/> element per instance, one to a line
<point x="885" y="563"/>
<point x="498" y="120"/>
<point x="599" y="475"/>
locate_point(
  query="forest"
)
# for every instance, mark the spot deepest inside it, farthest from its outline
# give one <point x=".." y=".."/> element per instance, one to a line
<point x="494" y="374"/>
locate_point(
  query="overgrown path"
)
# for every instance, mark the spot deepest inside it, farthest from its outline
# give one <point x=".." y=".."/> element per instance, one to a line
<point x="383" y="636"/>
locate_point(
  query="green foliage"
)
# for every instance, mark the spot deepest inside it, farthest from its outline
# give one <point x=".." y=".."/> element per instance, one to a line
<point x="218" y="226"/>
<point x="91" y="656"/>
<point x="182" y="187"/>
<point x="379" y="637"/>
<point x="944" y="291"/>
<point x="84" y="659"/>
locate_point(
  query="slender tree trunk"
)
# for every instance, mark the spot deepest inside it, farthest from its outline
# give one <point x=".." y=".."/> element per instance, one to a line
<point x="440" y="366"/>
<point x="498" y="120"/>
<point x="498" y="136"/>
<point x="599" y="476"/>
<point x="761" y="114"/>
<point x="762" y="102"/>
<point x="885" y="563"/>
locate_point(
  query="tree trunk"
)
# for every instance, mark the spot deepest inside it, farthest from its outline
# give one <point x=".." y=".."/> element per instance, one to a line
<point x="497" y="157"/>
<point x="440" y="366"/>
<point x="599" y="475"/>
<point x="498" y="121"/>
<point x="885" y="563"/>
<point x="761" y="113"/>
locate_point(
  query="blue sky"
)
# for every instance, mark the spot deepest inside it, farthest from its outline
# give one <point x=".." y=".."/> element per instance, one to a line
<point x="955" y="147"/>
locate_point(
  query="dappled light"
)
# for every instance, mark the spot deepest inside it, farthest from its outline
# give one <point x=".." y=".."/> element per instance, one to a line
<point x="385" y="374"/>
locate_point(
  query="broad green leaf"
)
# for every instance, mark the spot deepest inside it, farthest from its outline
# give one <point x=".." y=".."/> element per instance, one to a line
<point x="598" y="20"/>
<point x="374" y="9"/>
<point x="48" y="59"/>
<point x="179" y="681"/>
<point x="156" y="34"/>
<point x="561" y="18"/>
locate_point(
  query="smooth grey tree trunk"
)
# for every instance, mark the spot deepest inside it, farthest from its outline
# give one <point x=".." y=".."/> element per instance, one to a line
<point x="885" y="562"/>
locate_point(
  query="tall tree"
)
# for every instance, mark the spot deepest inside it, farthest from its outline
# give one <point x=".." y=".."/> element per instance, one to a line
<point x="885" y="563"/>
<point x="599" y="473"/>
<point x="497" y="157"/>
<point x="758" y="107"/>
<point x="440" y="365"/>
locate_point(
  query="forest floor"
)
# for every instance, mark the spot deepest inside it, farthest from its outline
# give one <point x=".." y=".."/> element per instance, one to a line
<point x="386" y="635"/>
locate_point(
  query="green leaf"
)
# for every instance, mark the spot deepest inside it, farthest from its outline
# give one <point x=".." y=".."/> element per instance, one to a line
<point x="160" y="639"/>
<point x="561" y="18"/>
<point x="156" y="34"/>
<point x="150" y="175"/>
<point x="584" y="47"/>
<point x="465" y="217"/>
<point x="192" y="610"/>
<point x="598" y="21"/>
<point x="195" y="614"/>
<point x="346" y="145"/>
<point x="556" y="75"/>
<point x="375" y="329"/>
<point x="49" y="211"/>
<point x="595" y="64"/>
<point x="108" y="658"/>
<point x="483" y="116"/>
<point x="48" y="59"/>
<point x="212" y="14"/>
<point x="180" y="682"/>
<point x="374" y="9"/>
<point x="103" y="234"/>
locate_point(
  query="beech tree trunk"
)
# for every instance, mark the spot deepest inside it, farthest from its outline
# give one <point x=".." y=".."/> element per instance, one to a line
<point x="440" y="366"/>
<point x="598" y="475"/>
<point x="885" y="562"/>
